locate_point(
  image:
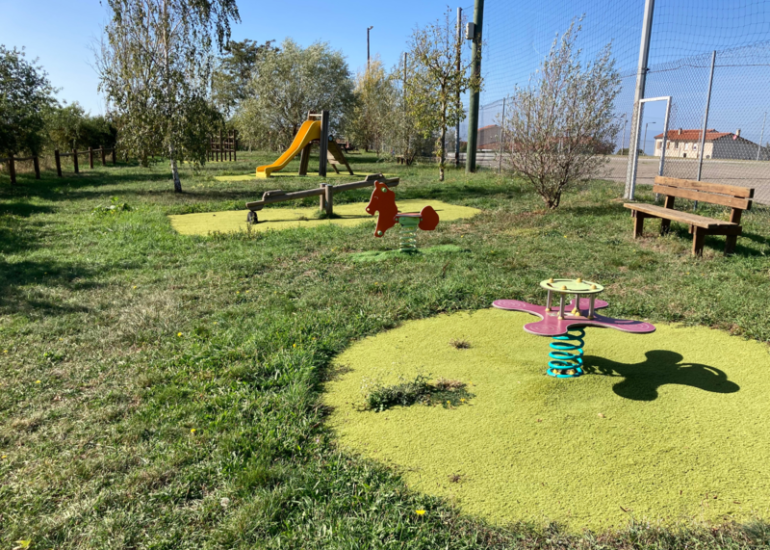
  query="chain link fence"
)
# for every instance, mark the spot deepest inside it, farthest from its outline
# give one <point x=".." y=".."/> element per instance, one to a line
<point x="685" y="36"/>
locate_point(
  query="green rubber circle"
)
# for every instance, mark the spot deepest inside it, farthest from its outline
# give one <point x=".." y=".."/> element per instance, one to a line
<point x="572" y="286"/>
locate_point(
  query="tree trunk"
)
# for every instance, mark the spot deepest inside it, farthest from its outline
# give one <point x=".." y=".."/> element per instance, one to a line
<point x="174" y="169"/>
<point x="442" y="154"/>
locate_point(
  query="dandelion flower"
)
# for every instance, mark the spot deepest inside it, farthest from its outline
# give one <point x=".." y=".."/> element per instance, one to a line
<point x="294" y="345"/>
<point x="420" y="512"/>
<point x="179" y="334"/>
<point x="37" y="381"/>
<point x="462" y="400"/>
<point x="5" y="351"/>
<point x="192" y="430"/>
<point x="5" y="456"/>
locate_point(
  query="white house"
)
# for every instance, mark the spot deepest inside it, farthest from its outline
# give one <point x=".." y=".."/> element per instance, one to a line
<point x="718" y="145"/>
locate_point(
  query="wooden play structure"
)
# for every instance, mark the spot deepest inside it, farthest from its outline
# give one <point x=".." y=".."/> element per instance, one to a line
<point x="567" y="329"/>
<point x="314" y="130"/>
<point x="325" y="191"/>
<point x="737" y="198"/>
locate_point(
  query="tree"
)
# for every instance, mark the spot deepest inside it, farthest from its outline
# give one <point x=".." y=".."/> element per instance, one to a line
<point x="25" y="96"/>
<point x="287" y="84"/>
<point x="155" y="69"/>
<point x="560" y="126"/>
<point x="371" y="120"/>
<point x="441" y="74"/>
<point x="69" y="127"/>
<point x="234" y="72"/>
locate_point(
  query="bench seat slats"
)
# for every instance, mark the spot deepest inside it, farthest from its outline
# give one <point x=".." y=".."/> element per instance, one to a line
<point x="678" y="216"/>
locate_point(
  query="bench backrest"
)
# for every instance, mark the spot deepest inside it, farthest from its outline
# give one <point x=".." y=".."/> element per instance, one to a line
<point x="715" y="193"/>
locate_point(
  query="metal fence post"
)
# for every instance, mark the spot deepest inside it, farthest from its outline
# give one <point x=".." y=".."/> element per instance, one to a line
<point x="641" y="81"/>
<point x="701" y="153"/>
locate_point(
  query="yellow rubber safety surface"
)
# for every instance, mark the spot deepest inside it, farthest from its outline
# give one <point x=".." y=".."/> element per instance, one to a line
<point x="311" y="179"/>
<point x="234" y="221"/>
<point x="670" y="427"/>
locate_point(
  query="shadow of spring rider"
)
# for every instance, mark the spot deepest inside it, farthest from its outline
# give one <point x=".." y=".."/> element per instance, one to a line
<point x="383" y="200"/>
<point x="566" y="324"/>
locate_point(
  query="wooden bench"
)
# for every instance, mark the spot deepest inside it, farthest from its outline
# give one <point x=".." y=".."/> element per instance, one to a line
<point x="737" y="198"/>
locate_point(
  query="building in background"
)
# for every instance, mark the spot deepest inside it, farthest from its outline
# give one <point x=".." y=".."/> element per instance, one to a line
<point x="718" y="145"/>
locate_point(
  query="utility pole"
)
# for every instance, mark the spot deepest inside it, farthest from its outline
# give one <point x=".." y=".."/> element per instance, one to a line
<point x="761" y="137"/>
<point x="644" y="143"/>
<point x="406" y="130"/>
<point x="473" y="109"/>
<point x="459" y="66"/>
<point x="368" y="55"/>
<point x="641" y="82"/>
<point x="502" y="139"/>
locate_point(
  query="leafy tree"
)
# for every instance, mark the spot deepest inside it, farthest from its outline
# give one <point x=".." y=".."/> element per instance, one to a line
<point x="70" y="127"/>
<point x="371" y="120"/>
<point x="436" y="82"/>
<point x="289" y="83"/>
<point x="560" y="126"/>
<point x="155" y="68"/>
<point x="234" y="72"/>
<point x="25" y="95"/>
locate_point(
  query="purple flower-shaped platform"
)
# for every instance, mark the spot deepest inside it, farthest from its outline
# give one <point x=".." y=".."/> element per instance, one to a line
<point x="551" y="325"/>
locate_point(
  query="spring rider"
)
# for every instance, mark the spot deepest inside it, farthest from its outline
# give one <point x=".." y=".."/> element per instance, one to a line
<point x="566" y="325"/>
<point x="383" y="200"/>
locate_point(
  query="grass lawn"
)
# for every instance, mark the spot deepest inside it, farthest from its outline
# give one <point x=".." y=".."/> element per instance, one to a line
<point x="165" y="391"/>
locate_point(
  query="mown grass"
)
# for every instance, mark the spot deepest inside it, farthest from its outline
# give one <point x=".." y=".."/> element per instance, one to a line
<point x="160" y="391"/>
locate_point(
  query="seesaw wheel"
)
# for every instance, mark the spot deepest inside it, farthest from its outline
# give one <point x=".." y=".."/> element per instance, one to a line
<point x="251" y="217"/>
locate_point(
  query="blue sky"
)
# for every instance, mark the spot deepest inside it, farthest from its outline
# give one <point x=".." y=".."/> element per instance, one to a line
<point x="63" y="34"/>
<point x="518" y="34"/>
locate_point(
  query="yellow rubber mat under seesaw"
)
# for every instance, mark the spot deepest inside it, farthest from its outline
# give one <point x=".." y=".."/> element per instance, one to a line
<point x="234" y="221"/>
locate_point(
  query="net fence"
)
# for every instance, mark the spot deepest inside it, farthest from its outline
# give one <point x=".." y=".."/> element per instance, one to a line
<point x="685" y="35"/>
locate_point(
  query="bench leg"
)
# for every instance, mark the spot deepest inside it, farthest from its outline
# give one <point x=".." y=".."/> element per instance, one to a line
<point x="665" y="227"/>
<point x="697" y="241"/>
<point x="730" y="244"/>
<point x="638" y="223"/>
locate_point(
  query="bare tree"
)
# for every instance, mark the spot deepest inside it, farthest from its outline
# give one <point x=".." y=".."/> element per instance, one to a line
<point x="155" y="68"/>
<point x="562" y="125"/>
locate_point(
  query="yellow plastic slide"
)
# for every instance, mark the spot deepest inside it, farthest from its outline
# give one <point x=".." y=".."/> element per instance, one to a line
<point x="310" y="130"/>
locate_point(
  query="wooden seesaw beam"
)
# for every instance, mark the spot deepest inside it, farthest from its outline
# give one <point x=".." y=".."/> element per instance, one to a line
<point x="325" y="191"/>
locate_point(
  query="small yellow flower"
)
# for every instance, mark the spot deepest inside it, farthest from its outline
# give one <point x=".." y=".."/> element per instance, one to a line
<point x="5" y="456"/>
<point x="462" y="236"/>
<point x="294" y="345"/>
<point x="462" y="400"/>
<point x="420" y="512"/>
<point x="216" y="323"/>
<point x="192" y="430"/>
<point x="179" y="334"/>
<point x="248" y="291"/>
<point x="448" y="402"/>
<point x="134" y="287"/>
<point x="37" y="381"/>
<point x="237" y="291"/>
<point x="5" y="351"/>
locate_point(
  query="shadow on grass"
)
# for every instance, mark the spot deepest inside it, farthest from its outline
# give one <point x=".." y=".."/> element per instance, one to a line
<point x="641" y="381"/>
<point x="15" y="277"/>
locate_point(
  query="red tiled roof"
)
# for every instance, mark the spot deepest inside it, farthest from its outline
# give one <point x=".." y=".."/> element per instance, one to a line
<point x="693" y="135"/>
<point x="489" y="126"/>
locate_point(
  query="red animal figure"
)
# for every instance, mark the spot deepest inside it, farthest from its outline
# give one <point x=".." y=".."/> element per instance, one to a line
<point x="384" y="201"/>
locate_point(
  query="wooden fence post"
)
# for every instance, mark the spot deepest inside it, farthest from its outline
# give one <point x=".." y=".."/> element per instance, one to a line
<point x="58" y="162"/>
<point x="101" y="152"/>
<point x="221" y="154"/>
<point x="36" y="164"/>
<point x="12" y="169"/>
<point x="75" y="160"/>
<point x="114" y="159"/>
<point x="91" y="158"/>
<point x="235" y="147"/>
